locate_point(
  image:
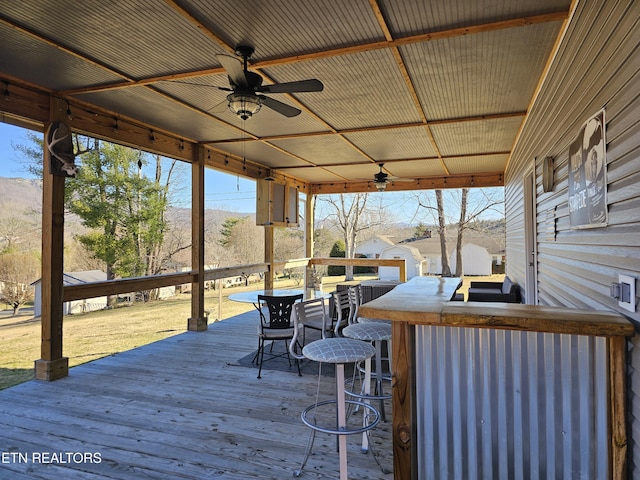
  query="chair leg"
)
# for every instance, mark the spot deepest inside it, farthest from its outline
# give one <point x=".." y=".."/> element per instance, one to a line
<point x="255" y="357"/>
<point x="261" y="356"/>
<point x="288" y="355"/>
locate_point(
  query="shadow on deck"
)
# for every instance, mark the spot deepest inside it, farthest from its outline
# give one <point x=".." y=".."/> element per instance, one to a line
<point x="178" y="408"/>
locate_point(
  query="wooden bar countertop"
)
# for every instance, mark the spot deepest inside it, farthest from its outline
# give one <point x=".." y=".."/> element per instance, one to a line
<point x="425" y="301"/>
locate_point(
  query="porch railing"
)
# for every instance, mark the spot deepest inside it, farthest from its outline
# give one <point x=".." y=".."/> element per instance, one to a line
<point x="126" y="285"/>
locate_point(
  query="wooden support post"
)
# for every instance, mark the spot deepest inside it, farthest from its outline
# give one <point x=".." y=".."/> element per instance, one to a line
<point x="52" y="365"/>
<point x="309" y="225"/>
<point x="197" y="322"/>
<point x="405" y="460"/>
<point x="268" y="257"/>
<point x="618" y="408"/>
<point x="403" y="271"/>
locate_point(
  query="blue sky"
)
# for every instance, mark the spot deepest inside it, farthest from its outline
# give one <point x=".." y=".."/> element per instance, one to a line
<point x="222" y="191"/>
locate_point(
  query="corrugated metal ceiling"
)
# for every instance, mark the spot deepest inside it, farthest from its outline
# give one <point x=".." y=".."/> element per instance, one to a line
<point x="436" y="88"/>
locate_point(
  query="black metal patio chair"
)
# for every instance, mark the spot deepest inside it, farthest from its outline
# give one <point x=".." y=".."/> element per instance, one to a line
<point x="276" y="324"/>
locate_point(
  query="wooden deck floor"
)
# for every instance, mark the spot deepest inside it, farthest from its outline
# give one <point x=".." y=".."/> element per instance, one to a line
<point x="180" y="408"/>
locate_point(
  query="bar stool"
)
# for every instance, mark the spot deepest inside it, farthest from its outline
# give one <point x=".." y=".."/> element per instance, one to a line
<point x="338" y="351"/>
<point x="375" y="333"/>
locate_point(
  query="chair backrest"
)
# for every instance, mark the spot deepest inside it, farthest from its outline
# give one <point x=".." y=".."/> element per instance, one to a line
<point x="279" y="308"/>
<point x="355" y="299"/>
<point x="313" y="312"/>
<point x="342" y="309"/>
<point x="507" y="285"/>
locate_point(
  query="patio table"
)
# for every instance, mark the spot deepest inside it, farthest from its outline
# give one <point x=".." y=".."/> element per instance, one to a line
<point x="252" y="295"/>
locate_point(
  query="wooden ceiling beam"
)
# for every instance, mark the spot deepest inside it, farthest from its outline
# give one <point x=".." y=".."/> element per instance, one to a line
<point x="365" y="47"/>
<point x="424" y="37"/>
<point x="391" y="161"/>
<point x="200" y="26"/>
<point x="74" y="53"/>
<point x="425" y="183"/>
<point x="375" y="128"/>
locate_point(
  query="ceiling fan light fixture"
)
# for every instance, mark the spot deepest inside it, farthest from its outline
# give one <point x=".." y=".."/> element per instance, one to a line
<point x="380" y="185"/>
<point x="380" y="179"/>
<point x="244" y="106"/>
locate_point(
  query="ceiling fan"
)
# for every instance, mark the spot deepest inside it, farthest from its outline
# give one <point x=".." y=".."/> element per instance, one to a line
<point x="382" y="179"/>
<point x="246" y="99"/>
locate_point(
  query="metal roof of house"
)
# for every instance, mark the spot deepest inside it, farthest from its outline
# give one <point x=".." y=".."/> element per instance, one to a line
<point x="437" y="90"/>
<point x="76" y="278"/>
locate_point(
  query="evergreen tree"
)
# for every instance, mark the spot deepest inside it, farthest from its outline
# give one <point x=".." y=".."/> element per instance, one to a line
<point x="337" y="250"/>
<point x="124" y="210"/>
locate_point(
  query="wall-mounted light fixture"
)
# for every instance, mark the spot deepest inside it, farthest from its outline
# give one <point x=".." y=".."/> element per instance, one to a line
<point x="547" y="174"/>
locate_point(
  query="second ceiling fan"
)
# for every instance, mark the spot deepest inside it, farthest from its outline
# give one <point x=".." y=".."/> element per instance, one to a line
<point x="246" y="97"/>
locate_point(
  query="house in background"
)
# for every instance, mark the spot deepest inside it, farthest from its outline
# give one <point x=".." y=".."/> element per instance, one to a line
<point x="373" y="247"/>
<point x="481" y="254"/>
<point x="476" y="260"/>
<point x="76" y="306"/>
<point x="415" y="263"/>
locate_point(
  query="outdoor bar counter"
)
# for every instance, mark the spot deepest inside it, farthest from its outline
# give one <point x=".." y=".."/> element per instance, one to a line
<point x="503" y="390"/>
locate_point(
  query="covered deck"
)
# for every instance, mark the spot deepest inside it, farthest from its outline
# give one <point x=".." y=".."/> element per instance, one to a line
<point x="183" y="407"/>
<point x="447" y="98"/>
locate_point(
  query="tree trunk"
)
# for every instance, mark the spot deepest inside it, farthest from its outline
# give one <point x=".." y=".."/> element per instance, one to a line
<point x="442" y="226"/>
<point x="461" y="225"/>
<point x="350" y="251"/>
<point x="111" y="299"/>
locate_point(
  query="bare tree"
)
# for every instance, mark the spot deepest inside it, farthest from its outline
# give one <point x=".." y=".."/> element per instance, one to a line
<point x="17" y="272"/>
<point x="16" y="233"/>
<point x="351" y="217"/>
<point x="243" y="241"/>
<point x="462" y="223"/>
<point x="442" y="231"/>
<point x="470" y="206"/>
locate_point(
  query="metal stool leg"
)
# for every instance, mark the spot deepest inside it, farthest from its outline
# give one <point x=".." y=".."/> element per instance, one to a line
<point x="338" y="351"/>
<point x="342" y="421"/>
<point x="379" y="392"/>
<point x="367" y="391"/>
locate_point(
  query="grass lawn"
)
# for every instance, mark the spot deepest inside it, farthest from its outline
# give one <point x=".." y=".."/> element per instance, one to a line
<point x="98" y="334"/>
<point x="93" y="335"/>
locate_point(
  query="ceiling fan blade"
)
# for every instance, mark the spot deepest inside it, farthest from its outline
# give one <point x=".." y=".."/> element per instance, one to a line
<point x="234" y="69"/>
<point x="311" y="85"/>
<point x="180" y="82"/>
<point x="278" y="106"/>
<point x="220" y="107"/>
<point x="397" y="179"/>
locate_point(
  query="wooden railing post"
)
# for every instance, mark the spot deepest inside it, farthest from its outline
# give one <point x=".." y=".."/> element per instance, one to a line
<point x="618" y="407"/>
<point x="268" y="257"/>
<point x="403" y="402"/>
<point x="197" y="322"/>
<point x="52" y="365"/>
<point x="308" y="237"/>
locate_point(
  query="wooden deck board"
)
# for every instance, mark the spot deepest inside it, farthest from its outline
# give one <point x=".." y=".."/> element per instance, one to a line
<point x="180" y="408"/>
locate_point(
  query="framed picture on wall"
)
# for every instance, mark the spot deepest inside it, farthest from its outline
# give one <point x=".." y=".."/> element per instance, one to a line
<point x="588" y="175"/>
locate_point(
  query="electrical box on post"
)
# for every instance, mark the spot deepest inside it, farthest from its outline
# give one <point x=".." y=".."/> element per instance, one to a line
<point x="627" y="294"/>
<point x="276" y="204"/>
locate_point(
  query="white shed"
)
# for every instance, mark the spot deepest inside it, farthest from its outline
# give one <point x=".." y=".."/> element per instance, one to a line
<point x="415" y="264"/>
<point x="373" y="247"/>
<point x="76" y="306"/>
<point x="476" y="260"/>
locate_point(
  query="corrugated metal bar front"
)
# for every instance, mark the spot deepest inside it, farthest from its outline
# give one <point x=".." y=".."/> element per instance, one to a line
<point x="499" y="404"/>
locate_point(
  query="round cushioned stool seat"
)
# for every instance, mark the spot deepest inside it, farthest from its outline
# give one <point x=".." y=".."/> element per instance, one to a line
<point x="373" y="320"/>
<point x="338" y="350"/>
<point x="369" y="331"/>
